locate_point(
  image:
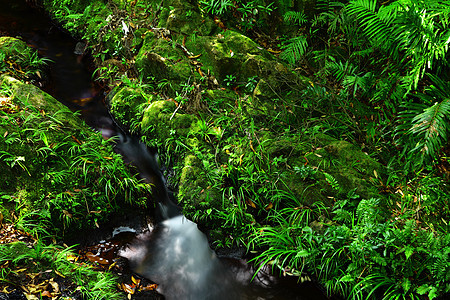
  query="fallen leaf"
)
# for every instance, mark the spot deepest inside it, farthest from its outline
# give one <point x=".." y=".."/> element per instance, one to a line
<point x="150" y="287"/>
<point x="136" y="281"/>
<point x="60" y="274"/>
<point x="127" y="288"/>
<point x="46" y="294"/>
<point x="195" y="56"/>
<point x="250" y="203"/>
<point x="54" y="285"/>
<point x="274" y="51"/>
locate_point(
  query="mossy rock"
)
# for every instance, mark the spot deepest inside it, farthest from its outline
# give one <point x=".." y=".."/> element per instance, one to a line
<point x="321" y="154"/>
<point x="15" y="48"/>
<point x="218" y="99"/>
<point x="159" y="59"/>
<point x="20" y="60"/>
<point x="195" y="190"/>
<point x="351" y="155"/>
<point x="184" y="17"/>
<point x="227" y="53"/>
<point x="36" y="98"/>
<point x="352" y="168"/>
<point x="53" y="163"/>
<point x="125" y="105"/>
<point x="156" y="118"/>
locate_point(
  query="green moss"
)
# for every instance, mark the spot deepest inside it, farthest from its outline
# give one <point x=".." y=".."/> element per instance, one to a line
<point x="14" y="48"/>
<point x="194" y="188"/>
<point x="125" y="105"/>
<point x="186" y="18"/>
<point x="53" y="164"/>
<point x="158" y="58"/>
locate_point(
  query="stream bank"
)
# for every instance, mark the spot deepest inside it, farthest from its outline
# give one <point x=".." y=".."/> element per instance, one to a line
<point x="256" y="160"/>
<point x="24" y="101"/>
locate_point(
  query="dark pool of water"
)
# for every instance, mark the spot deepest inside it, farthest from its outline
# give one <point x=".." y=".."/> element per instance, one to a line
<point x="175" y="254"/>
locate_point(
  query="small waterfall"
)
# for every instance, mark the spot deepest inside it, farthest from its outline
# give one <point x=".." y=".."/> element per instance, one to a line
<point x="176" y="255"/>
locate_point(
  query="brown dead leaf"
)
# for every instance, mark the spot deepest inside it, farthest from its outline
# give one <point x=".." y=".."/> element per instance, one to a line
<point x="127" y="288"/>
<point x="195" y="56"/>
<point x="250" y="203"/>
<point x="46" y="294"/>
<point x="135" y="281"/>
<point x="54" y="285"/>
<point x="150" y="287"/>
<point x="68" y="214"/>
<point x="60" y="274"/>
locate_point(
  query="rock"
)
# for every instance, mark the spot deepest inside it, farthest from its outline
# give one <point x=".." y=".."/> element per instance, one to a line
<point x="184" y="17"/>
<point x="57" y="166"/>
<point x="15" y="48"/>
<point x="125" y="105"/>
<point x="159" y="59"/>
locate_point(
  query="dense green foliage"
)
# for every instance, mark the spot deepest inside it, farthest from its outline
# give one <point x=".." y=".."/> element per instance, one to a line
<point x="56" y="261"/>
<point x="266" y="175"/>
<point x="70" y="176"/>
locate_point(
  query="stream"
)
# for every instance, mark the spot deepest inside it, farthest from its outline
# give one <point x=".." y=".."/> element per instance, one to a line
<point x="173" y="253"/>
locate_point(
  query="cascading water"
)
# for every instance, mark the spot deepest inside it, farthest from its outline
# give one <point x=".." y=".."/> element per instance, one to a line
<point x="182" y="263"/>
<point x="178" y="256"/>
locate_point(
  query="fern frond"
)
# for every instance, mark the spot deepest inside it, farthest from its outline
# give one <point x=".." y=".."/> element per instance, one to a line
<point x="356" y="81"/>
<point x="295" y="17"/>
<point x="294" y="49"/>
<point x="426" y="127"/>
<point x="432" y="125"/>
<point x="376" y="25"/>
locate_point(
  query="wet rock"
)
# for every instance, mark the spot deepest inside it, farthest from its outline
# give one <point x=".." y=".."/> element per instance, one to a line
<point x="13" y="295"/>
<point x="125" y="105"/>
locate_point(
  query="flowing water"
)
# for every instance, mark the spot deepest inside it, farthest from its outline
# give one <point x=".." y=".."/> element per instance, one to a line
<point x="174" y="254"/>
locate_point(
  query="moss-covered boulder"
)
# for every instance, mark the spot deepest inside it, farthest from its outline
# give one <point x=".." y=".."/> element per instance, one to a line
<point x="231" y="53"/>
<point x="15" y="48"/>
<point x="321" y="167"/>
<point x="158" y="58"/>
<point x="19" y="60"/>
<point x="53" y="165"/>
<point x="185" y="17"/>
<point x="125" y="105"/>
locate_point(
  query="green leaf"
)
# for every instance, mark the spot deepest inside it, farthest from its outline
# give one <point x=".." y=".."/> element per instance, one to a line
<point x="294" y="49"/>
<point x="423" y="289"/>
<point x="409" y="250"/>
<point x="346" y="278"/>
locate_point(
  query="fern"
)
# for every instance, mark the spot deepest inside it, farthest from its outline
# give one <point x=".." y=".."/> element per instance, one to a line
<point x="294" y="49"/>
<point x="295" y="17"/>
<point x="332" y="181"/>
<point x="376" y="24"/>
<point x="415" y="34"/>
<point x="426" y="127"/>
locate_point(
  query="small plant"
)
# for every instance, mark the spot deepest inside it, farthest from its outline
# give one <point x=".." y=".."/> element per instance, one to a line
<point x="251" y="83"/>
<point x="230" y="80"/>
